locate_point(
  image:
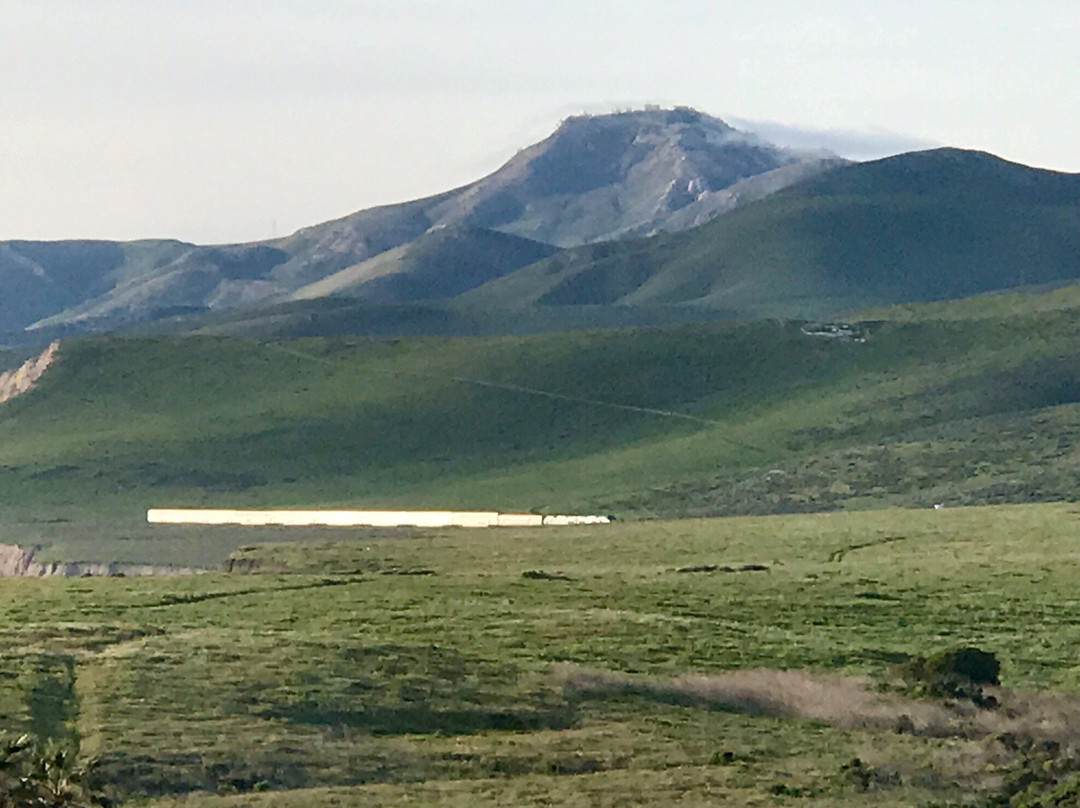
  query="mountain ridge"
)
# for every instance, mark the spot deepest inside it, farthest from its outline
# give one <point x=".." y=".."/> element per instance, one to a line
<point x="801" y="235"/>
<point x="443" y="262"/>
<point x="596" y="177"/>
<point x="944" y="223"/>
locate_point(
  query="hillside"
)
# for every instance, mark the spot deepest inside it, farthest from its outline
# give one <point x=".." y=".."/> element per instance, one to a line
<point x="922" y="226"/>
<point x="441" y="263"/>
<point x="343" y="315"/>
<point x="688" y="420"/>
<point x="595" y="178"/>
<point x="85" y="286"/>
<point x="38" y="279"/>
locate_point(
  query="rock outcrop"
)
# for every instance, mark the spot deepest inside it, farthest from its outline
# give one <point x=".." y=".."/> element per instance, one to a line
<point x="16" y="382"/>
<point x="19" y="562"/>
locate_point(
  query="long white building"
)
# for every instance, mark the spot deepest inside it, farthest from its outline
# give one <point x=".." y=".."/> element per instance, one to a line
<point x="306" y="518"/>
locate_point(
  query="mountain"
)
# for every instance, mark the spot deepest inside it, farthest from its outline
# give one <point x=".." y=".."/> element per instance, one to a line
<point x="595" y="178"/>
<point x="931" y="225"/>
<point x="934" y="225"/>
<point x="40" y="278"/>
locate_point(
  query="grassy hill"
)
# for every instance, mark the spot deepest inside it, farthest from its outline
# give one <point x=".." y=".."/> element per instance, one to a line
<point x="341" y="316"/>
<point x="923" y="226"/>
<point x="688" y="420"/>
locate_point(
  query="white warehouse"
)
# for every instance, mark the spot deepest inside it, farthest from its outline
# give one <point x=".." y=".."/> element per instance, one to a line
<point x="308" y="518"/>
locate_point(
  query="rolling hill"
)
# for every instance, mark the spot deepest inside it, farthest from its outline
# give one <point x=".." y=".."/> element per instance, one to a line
<point x="980" y="406"/>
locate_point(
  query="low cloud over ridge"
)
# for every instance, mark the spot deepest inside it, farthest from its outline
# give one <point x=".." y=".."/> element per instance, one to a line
<point x="854" y="144"/>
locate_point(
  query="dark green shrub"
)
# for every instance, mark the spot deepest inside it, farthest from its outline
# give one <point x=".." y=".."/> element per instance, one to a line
<point x="973" y="664"/>
<point x="958" y="673"/>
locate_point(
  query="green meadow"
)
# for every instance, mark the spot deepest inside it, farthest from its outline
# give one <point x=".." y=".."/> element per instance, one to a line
<point x="547" y="666"/>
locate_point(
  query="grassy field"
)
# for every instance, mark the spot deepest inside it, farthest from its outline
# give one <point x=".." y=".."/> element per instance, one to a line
<point x="426" y="667"/>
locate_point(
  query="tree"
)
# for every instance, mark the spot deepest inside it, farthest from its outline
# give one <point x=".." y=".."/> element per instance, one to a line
<point x="33" y="775"/>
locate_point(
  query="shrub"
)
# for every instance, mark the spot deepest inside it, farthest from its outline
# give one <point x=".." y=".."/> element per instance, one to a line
<point x="43" y="776"/>
<point x="958" y="673"/>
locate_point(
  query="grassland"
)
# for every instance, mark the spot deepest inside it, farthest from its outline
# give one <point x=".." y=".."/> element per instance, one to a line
<point x="424" y="667"/>
<point x="977" y="407"/>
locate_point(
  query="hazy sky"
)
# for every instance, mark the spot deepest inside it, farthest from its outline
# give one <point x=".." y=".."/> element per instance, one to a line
<point x="231" y="120"/>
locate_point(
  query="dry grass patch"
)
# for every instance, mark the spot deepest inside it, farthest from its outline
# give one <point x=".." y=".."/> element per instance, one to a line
<point x="845" y="702"/>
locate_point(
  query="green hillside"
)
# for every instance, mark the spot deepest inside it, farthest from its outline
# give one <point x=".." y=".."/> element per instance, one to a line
<point x="922" y="226"/>
<point x="688" y="420"/>
<point x="338" y="316"/>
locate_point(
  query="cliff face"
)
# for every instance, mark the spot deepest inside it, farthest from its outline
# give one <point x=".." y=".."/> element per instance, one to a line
<point x="16" y="382"/>
<point x="14" y="561"/>
<point x="18" y="562"/>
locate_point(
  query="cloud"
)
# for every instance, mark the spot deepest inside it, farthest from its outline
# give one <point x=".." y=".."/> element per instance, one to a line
<point x="854" y="144"/>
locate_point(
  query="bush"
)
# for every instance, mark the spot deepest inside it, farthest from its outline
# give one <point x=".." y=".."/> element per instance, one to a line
<point x="958" y="673"/>
<point x="43" y="776"/>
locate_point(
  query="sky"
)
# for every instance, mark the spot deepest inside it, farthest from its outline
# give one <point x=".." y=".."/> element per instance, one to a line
<point x="243" y="120"/>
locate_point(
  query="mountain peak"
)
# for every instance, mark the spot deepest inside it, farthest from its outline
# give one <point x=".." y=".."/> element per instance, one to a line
<point x="646" y="116"/>
<point x="599" y="177"/>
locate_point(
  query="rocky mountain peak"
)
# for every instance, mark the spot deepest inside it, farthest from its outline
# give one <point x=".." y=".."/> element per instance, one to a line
<point x="641" y="148"/>
<point x="600" y="177"/>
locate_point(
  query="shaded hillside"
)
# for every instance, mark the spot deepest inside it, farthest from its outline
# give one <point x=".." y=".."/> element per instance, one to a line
<point x="100" y="285"/>
<point x="922" y="226"/>
<point x="595" y="178"/>
<point x="40" y="278"/>
<point x="342" y="315"/>
<point x="441" y="263"/>
<point x="699" y="419"/>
